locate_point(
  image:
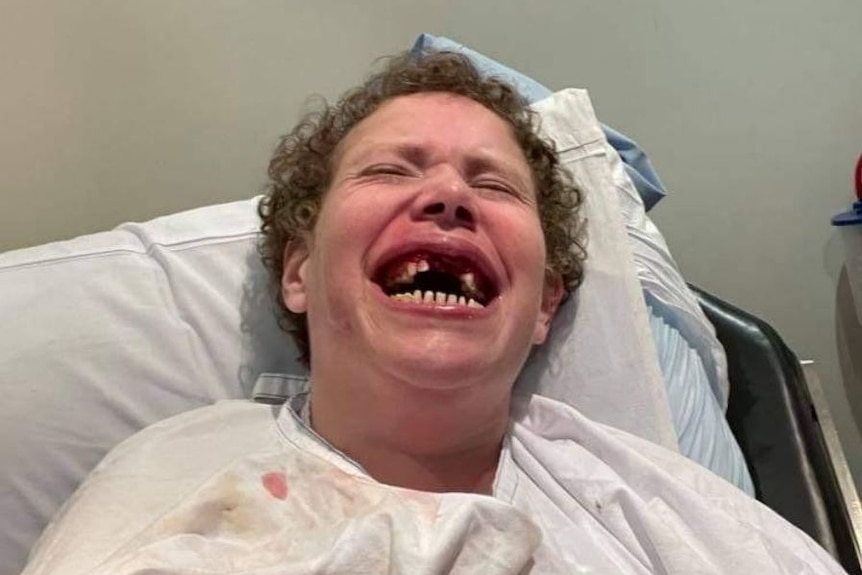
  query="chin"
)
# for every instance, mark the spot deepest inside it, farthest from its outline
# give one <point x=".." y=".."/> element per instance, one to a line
<point x="451" y="368"/>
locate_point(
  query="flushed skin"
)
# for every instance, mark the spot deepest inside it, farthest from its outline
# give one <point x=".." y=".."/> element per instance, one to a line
<point x="301" y="170"/>
<point x="434" y="173"/>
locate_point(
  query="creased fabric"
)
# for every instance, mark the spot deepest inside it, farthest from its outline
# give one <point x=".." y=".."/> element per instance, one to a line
<point x="243" y="489"/>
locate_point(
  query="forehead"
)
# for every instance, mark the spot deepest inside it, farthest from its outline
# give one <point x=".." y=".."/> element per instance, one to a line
<point x="448" y="122"/>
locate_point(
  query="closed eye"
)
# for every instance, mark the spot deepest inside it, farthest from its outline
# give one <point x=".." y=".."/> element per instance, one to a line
<point x="493" y="185"/>
<point x="386" y="170"/>
<point x="497" y="186"/>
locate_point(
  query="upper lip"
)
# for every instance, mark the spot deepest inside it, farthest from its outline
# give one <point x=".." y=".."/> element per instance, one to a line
<point x="444" y="245"/>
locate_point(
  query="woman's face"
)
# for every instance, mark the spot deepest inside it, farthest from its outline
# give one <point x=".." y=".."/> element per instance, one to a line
<point x="428" y="259"/>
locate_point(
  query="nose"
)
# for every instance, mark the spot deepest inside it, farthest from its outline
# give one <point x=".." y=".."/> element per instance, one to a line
<point x="448" y="201"/>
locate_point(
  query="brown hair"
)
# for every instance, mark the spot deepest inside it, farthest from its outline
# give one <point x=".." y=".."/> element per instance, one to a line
<point x="302" y="166"/>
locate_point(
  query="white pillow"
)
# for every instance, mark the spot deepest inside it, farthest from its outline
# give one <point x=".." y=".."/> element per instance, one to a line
<point x="108" y="333"/>
<point x="600" y="357"/>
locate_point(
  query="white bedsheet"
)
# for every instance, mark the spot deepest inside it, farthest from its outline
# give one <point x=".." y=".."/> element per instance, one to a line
<point x="244" y="488"/>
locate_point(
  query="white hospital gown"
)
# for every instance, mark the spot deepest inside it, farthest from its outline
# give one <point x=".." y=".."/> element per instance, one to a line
<point x="243" y="488"/>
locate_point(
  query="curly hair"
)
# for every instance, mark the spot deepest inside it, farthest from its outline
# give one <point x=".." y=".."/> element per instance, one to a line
<point x="302" y="166"/>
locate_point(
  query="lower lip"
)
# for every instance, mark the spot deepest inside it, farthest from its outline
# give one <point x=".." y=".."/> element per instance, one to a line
<point x="437" y="310"/>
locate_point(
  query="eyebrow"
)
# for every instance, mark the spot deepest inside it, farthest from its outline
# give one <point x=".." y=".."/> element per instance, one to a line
<point x="413" y="153"/>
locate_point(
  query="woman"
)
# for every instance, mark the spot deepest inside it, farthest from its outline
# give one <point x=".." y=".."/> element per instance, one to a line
<point x="421" y="237"/>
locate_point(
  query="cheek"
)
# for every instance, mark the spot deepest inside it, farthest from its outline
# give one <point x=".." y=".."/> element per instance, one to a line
<point x="329" y="300"/>
<point x="530" y="257"/>
<point x="526" y="243"/>
<point x="350" y="219"/>
<point x="337" y="281"/>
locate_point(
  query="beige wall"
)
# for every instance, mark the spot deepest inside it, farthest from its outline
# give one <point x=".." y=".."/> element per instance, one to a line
<point x="120" y="110"/>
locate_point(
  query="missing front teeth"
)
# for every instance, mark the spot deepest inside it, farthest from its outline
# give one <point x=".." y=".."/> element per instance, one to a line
<point x="438" y="282"/>
<point x="450" y="277"/>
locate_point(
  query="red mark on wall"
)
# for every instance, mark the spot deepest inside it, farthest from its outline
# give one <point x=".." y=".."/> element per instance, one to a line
<point x="276" y="483"/>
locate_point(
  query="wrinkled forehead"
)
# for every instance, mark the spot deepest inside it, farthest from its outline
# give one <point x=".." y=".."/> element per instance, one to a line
<point x="434" y="118"/>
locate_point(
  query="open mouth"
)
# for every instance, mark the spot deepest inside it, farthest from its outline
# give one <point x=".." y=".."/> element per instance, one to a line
<point x="435" y="279"/>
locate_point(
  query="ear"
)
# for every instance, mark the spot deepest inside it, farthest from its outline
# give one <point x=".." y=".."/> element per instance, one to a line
<point x="294" y="287"/>
<point x="552" y="295"/>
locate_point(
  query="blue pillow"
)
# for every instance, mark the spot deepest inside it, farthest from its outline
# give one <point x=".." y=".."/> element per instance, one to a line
<point x="635" y="160"/>
<point x="698" y="418"/>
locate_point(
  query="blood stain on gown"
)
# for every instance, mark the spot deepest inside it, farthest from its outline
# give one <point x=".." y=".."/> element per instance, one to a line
<point x="276" y="483"/>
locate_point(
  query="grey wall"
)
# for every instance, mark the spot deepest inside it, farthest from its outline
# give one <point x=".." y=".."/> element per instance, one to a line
<point x="111" y="111"/>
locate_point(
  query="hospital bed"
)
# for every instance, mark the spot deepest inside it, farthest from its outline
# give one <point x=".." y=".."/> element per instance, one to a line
<point x="108" y="333"/>
<point x="779" y="414"/>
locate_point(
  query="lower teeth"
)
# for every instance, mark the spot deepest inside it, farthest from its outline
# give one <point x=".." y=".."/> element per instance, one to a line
<point x="436" y="298"/>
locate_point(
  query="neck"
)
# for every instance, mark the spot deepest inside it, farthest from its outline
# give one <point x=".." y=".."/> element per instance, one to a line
<point x="428" y="440"/>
